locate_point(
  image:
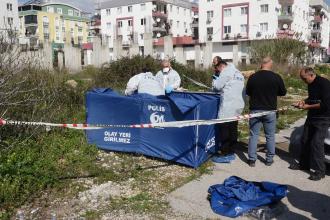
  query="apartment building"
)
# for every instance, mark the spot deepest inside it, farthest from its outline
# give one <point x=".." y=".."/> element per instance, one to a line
<point x="8" y="16"/>
<point x="49" y="21"/>
<point x="232" y="24"/>
<point x="129" y="21"/>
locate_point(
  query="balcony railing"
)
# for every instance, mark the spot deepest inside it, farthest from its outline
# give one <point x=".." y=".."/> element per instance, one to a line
<point x="286" y="2"/>
<point x="314" y="43"/>
<point x="159" y="14"/>
<point x="285" y="33"/>
<point x="286" y="16"/>
<point x="318" y="18"/>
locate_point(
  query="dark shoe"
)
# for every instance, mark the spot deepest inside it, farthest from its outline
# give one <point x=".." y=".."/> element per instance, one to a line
<point x="296" y="166"/>
<point x="252" y="163"/>
<point x="316" y="176"/>
<point x="269" y="163"/>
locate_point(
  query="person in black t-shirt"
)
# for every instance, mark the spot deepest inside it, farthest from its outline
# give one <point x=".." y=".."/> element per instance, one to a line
<point x="263" y="87"/>
<point x="316" y="125"/>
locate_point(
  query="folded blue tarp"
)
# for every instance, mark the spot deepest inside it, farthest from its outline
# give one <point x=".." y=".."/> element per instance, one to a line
<point x="190" y="145"/>
<point x="237" y="196"/>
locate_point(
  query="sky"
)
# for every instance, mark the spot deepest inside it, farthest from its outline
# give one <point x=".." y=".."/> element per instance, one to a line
<point x="86" y="5"/>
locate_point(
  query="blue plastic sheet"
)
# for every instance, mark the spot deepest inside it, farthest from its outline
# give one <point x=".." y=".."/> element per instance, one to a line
<point x="237" y="196"/>
<point x="190" y="145"/>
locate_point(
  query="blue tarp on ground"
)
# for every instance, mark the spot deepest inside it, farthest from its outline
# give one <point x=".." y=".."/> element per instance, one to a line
<point x="236" y="196"/>
<point x="190" y="146"/>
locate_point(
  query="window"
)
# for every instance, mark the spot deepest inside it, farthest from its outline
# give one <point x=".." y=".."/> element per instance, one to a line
<point x="10" y="21"/>
<point x="184" y="12"/>
<point x="130" y="23"/>
<point x="209" y="15"/>
<point x="59" y="10"/>
<point x="177" y="10"/>
<point x="50" y="9"/>
<point x="227" y="29"/>
<point x="227" y="12"/>
<point x="244" y="10"/>
<point x="184" y="25"/>
<point x="130" y="8"/>
<point x="171" y="8"/>
<point x="264" y="27"/>
<point x="264" y="8"/>
<point x="243" y="28"/>
<point x="143" y="21"/>
<point x="209" y="0"/>
<point x="141" y="36"/>
<point x="209" y="30"/>
<point x="120" y="23"/>
<point x="119" y="10"/>
<point x="70" y="12"/>
<point x="76" y="13"/>
<point x="143" y="7"/>
<point x="9" y="6"/>
<point x="108" y="12"/>
<point x="109" y="25"/>
<point x="178" y="24"/>
<point x="171" y="22"/>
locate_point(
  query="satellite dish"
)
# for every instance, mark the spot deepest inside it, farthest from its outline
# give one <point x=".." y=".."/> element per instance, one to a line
<point x="158" y="35"/>
<point x="158" y="20"/>
<point x="285" y="26"/>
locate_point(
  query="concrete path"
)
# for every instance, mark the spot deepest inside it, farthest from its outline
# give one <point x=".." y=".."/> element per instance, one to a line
<point x="306" y="199"/>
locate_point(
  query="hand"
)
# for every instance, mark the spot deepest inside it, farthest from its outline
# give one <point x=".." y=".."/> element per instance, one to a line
<point x="300" y="105"/>
<point x="168" y="89"/>
<point x="215" y="77"/>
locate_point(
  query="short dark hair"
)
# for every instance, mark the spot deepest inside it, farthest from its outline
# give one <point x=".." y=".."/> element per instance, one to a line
<point x="219" y="59"/>
<point x="222" y="62"/>
<point x="309" y="70"/>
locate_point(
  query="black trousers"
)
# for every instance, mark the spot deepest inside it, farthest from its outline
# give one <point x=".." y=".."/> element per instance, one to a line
<point x="227" y="135"/>
<point x="312" y="151"/>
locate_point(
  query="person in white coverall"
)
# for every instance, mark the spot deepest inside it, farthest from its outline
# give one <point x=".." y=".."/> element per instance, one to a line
<point x="145" y="82"/>
<point x="169" y="77"/>
<point x="230" y="84"/>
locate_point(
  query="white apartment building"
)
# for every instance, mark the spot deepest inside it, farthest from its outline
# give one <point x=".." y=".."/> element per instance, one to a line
<point x="232" y="24"/>
<point x="129" y="20"/>
<point x="8" y="15"/>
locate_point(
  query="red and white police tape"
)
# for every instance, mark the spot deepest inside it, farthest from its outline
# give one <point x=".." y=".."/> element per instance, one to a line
<point x="172" y="124"/>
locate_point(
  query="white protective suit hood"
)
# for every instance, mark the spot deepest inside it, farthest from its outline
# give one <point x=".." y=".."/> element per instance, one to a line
<point x="172" y="78"/>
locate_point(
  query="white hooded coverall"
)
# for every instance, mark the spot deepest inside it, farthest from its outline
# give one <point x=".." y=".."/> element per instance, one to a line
<point x="172" y="78"/>
<point x="145" y="83"/>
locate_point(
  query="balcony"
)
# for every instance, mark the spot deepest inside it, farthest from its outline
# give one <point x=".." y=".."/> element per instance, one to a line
<point x="314" y="43"/>
<point x="317" y="18"/>
<point x="285" y="34"/>
<point x="286" y="2"/>
<point x="235" y="37"/>
<point x="316" y="30"/>
<point x="159" y="14"/>
<point x="286" y="17"/>
<point x="159" y="29"/>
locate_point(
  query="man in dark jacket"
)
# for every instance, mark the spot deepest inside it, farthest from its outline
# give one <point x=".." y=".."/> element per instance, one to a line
<point x="263" y="87"/>
<point x="316" y="125"/>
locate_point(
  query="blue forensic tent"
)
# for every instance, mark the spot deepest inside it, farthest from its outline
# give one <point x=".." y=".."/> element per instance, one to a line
<point x="190" y="145"/>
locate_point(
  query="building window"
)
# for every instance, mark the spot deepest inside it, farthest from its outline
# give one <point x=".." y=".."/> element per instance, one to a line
<point x="143" y="7"/>
<point x="227" y="29"/>
<point x="10" y="21"/>
<point x="177" y="10"/>
<point x="209" y="0"/>
<point x="171" y="22"/>
<point x="143" y="21"/>
<point x="209" y="15"/>
<point x="243" y="28"/>
<point x="109" y="25"/>
<point x="130" y="23"/>
<point x="141" y="36"/>
<point x="70" y="12"/>
<point x="119" y="10"/>
<point x="264" y="27"/>
<point x="184" y="12"/>
<point x="108" y="11"/>
<point x="50" y="9"/>
<point x="59" y="10"/>
<point x="171" y="8"/>
<point x="130" y="8"/>
<point x="244" y="10"/>
<point x="9" y="6"/>
<point x="209" y="31"/>
<point x="76" y="13"/>
<point x="264" y="8"/>
<point x="184" y="25"/>
<point x="227" y="12"/>
<point x="120" y="23"/>
<point x="178" y="24"/>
